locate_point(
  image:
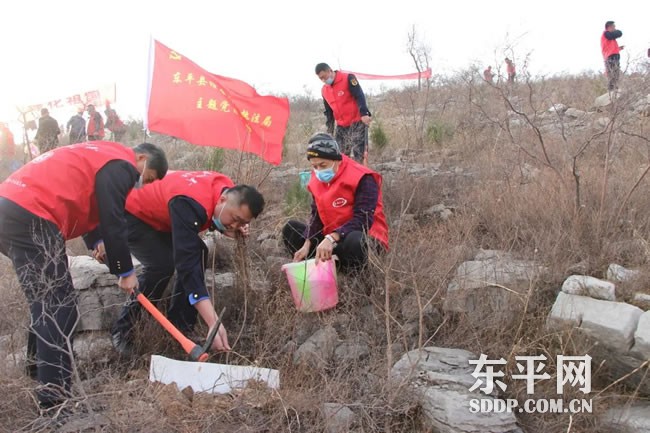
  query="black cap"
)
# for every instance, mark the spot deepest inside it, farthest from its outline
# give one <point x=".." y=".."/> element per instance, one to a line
<point x="323" y="146"/>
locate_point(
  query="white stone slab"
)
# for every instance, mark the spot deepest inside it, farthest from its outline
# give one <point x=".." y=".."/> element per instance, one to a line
<point x="208" y="377"/>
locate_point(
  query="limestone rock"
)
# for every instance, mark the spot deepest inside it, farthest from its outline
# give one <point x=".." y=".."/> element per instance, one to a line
<point x="634" y="418"/>
<point x="619" y="274"/>
<point x="487" y="283"/>
<point x="441" y="379"/>
<point x="338" y="418"/>
<point x="642" y="337"/>
<point x="589" y="286"/>
<point x="611" y="323"/>
<point x="317" y="351"/>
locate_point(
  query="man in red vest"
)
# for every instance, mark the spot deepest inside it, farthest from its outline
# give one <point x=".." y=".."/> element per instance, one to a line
<point x="345" y="104"/>
<point x="611" y="53"/>
<point x="165" y="219"/>
<point x="60" y="195"/>
<point x="347" y="209"/>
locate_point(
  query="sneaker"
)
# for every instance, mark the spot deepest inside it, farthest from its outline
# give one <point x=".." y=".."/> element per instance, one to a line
<point x="122" y="344"/>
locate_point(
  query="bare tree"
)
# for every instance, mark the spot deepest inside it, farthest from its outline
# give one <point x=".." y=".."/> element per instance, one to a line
<point x="420" y="52"/>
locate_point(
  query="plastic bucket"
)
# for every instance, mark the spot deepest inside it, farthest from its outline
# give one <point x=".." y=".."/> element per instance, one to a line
<point x="313" y="286"/>
<point x="304" y="178"/>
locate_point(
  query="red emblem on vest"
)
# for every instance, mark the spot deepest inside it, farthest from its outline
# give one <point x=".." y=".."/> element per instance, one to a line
<point x="339" y="202"/>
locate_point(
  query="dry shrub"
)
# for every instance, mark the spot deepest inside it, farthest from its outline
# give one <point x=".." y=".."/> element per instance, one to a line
<point x="510" y="194"/>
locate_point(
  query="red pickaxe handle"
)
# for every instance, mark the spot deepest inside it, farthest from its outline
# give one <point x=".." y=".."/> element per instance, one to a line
<point x="195" y="351"/>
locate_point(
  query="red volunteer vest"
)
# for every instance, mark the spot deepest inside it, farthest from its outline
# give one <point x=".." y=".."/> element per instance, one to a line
<point x="608" y="47"/>
<point x="59" y="185"/>
<point x="335" y="201"/>
<point x="339" y="98"/>
<point x="95" y="125"/>
<point x="151" y="202"/>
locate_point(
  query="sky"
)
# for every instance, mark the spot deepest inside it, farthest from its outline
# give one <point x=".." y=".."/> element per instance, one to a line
<point x="58" y="48"/>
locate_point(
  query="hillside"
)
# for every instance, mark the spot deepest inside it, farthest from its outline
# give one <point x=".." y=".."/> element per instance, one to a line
<point x="495" y="195"/>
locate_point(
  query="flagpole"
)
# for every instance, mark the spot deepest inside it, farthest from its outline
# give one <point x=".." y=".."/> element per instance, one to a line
<point x="151" y="57"/>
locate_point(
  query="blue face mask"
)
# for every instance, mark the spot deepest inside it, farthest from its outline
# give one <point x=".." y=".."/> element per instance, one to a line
<point x="329" y="81"/>
<point x="325" y="175"/>
<point x="217" y="222"/>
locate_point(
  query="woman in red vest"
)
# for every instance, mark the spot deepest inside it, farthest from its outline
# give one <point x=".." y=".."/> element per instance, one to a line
<point x="346" y="211"/>
<point x="60" y="195"/>
<point x="165" y="219"/>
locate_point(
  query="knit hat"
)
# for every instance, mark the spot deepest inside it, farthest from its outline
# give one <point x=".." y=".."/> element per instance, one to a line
<point x="323" y="146"/>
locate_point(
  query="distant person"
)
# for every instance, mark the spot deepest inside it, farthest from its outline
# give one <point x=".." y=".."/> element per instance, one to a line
<point x="8" y="161"/>
<point x="345" y="104"/>
<point x="488" y="75"/>
<point x="47" y="135"/>
<point x="114" y="123"/>
<point x="611" y="54"/>
<point x="510" y="69"/>
<point x="77" y="127"/>
<point x="95" y="124"/>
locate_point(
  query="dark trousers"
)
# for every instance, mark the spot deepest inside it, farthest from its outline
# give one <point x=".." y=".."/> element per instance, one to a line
<point x="155" y="251"/>
<point x="353" y="140"/>
<point x="613" y="67"/>
<point x="37" y="250"/>
<point x="117" y="136"/>
<point x="77" y="137"/>
<point x="352" y="252"/>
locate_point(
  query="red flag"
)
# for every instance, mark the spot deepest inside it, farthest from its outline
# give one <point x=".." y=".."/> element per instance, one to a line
<point x="413" y="76"/>
<point x="206" y="109"/>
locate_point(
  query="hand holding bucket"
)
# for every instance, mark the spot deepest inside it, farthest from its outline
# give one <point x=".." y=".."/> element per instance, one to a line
<point x="313" y="284"/>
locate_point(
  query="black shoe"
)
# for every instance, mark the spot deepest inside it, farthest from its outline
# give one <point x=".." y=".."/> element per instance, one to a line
<point x="31" y="369"/>
<point x="122" y="344"/>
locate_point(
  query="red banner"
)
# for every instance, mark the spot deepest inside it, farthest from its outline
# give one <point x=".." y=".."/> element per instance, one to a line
<point x="413" y="76"/>
<point x="206" y="109"/>
<point x="96" y="97"/>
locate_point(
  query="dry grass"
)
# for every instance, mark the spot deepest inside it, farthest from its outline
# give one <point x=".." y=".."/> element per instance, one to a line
<point x="517" y="192"/>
